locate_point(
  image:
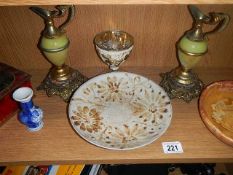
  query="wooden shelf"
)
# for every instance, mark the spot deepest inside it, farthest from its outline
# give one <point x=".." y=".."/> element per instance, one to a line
<point x="95" y="2"/>
<point x="57" y="142"/>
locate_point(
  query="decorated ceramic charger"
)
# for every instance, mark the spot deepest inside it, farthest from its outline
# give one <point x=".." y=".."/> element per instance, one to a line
<point x="120" y="111"/>
<point x="216" y="110"/>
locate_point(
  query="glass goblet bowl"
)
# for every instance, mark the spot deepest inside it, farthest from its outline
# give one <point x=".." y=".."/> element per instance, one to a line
<point x="113" y="47"/>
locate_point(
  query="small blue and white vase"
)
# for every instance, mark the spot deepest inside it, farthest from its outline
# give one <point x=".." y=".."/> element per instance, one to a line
<point x="30" y="115"/>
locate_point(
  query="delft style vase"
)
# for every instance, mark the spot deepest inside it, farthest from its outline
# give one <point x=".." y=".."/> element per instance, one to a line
<point x="31" y="115"/>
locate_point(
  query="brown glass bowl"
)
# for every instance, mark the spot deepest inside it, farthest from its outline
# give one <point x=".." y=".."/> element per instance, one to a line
<point x="216" y="110"/>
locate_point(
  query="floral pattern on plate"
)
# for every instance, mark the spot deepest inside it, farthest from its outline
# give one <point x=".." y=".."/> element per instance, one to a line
<point x="120" y="111"/>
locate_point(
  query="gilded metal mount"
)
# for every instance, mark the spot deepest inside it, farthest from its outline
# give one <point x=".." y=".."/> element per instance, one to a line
<point x="64" y="88"/>
<point x="180" y="84"/>
<point x="54" y="44"/>
<point x="220" y="20"/>
<point x="50" y="30"/>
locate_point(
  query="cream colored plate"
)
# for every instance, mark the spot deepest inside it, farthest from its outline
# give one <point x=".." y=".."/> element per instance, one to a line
<point x="120" y="111"/>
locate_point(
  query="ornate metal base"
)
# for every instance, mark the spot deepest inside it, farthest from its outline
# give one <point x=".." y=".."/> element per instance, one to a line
<point x="65" y="88"/>
<point x="171" y="84"/>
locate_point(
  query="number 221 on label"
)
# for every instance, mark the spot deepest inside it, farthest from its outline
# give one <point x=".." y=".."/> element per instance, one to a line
<point x="172" y="147"/>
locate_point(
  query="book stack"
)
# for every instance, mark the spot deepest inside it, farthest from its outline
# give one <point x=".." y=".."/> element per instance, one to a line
<point x="51" y="170"/>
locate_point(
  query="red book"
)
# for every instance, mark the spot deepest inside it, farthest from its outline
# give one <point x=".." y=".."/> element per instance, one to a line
<point x="10" y="79"/>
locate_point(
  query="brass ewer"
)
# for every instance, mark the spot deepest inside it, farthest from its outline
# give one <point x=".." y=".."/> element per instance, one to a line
<point x="61" y="80"/>
<point x="181" y="82"/>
